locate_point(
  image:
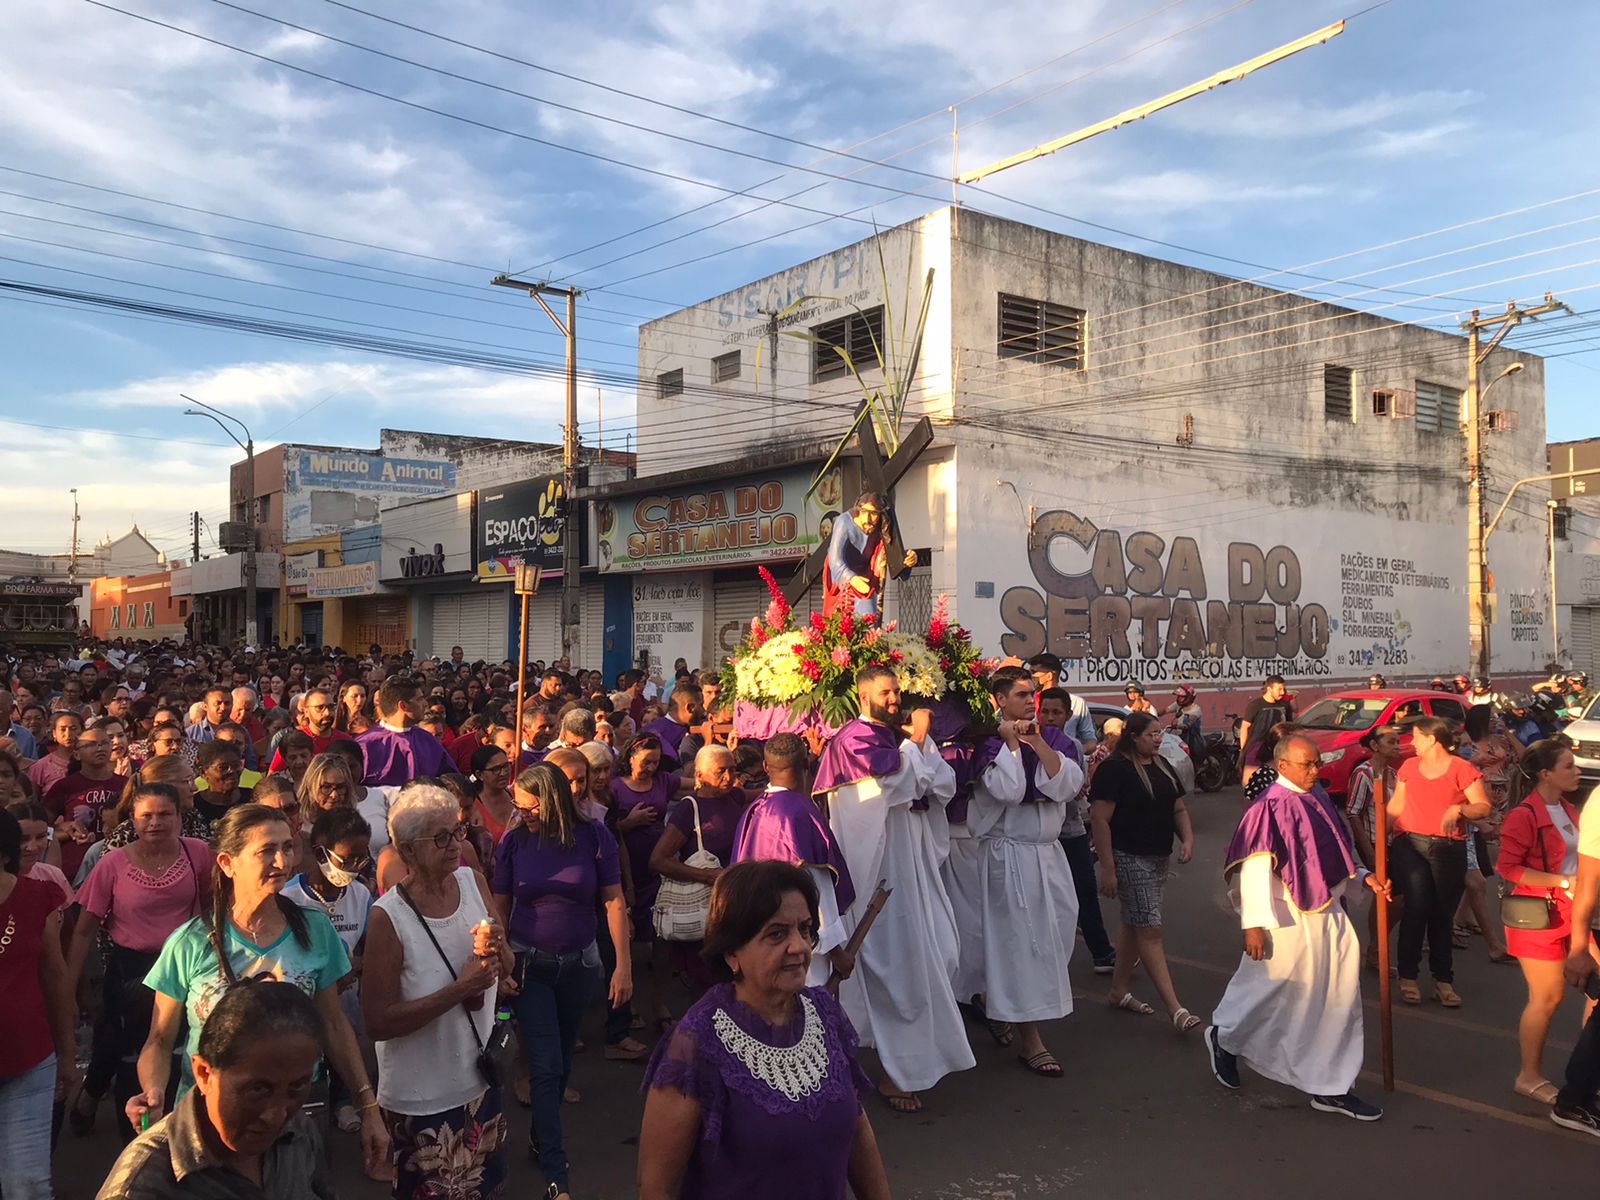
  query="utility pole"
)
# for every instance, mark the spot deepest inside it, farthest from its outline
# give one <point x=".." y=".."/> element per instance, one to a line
<point x="251" y="626"/>
<point x="194" y="556"/>
<point x="72" y="562"/>
<point x="1477" y="532"/>
<point x="1550" y="507"/>
<point x="570" y="558"/>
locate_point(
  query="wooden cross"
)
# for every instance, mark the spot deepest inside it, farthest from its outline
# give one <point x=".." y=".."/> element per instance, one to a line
<point x="876" y="476"/>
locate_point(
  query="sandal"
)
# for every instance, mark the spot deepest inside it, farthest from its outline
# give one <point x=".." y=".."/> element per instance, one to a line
<point x="1043" y="1063"/>
<point x="1410" y="992"/>
<point x="1002" y="1032"/>
<point x="1128" y="1002"/>
<point x="627" y="1050"/>
<point x="1183" y="1020"/>
<point x="1446" y="995"/>
<point x="1460" y="938"/>
<point x="1544" y="1092"/>
<point x="904" y="1103"/>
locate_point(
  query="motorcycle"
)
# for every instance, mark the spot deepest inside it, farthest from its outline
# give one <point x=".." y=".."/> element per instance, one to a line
<point x="1219" y="761"/>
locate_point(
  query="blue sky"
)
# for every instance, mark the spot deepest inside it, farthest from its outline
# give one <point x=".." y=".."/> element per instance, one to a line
<point x="1422" y="115"/>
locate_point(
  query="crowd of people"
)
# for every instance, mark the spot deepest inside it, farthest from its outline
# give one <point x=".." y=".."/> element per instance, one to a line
<point x="233" y="883"/>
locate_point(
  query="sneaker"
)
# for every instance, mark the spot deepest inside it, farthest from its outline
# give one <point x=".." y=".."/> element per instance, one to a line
<point x="1347" y="1105"/>
<point x="345" y="1119"/>
<point x="1104" y="966"/>
<point x="1585" y="1118"/>
<point x="1224" y="1066"/>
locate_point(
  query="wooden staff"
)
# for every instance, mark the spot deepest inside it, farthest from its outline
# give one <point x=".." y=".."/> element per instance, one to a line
<point x="853" y="946"/>
<point x="1380" y="853"/>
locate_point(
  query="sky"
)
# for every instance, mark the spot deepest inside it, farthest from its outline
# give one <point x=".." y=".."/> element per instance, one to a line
<point x="636" y="151"/>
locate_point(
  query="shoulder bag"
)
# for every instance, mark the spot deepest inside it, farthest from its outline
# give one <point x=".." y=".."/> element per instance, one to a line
<point x="497" y="1054"/>
<point x="681" y="908"/>
<point x="1529" y="912"/>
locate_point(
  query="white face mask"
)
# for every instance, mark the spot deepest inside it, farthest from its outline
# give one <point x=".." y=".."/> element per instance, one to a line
<point x="336" y="875"/>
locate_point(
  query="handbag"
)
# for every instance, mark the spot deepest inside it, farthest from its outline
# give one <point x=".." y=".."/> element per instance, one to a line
<point x="497" y="1053"/>
<point x="1529" y="912"/>
<point x="681" y="908"/>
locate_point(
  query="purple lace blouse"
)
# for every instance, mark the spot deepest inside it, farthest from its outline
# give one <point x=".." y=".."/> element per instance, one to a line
<point x="640" y="842"/>
<point x="754" y="1140"/>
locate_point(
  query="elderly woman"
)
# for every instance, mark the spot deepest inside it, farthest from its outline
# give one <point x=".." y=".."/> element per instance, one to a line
<point x="1436" y="797"/>
<point x="140" y="892"/>
<point x="704" y="822"/>
<point x="250" y="930"/>
<point x="37" y="1049"/>
<point x="551" y="871"/>
<point x="254" y="1064"/>
<point x="427" y="996"/>
<point x="757" y="1092"/>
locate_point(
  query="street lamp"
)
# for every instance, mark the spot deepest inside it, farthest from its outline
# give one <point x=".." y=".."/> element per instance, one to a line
<point x="1511" y="370"/>
<point x="249" y="448"/>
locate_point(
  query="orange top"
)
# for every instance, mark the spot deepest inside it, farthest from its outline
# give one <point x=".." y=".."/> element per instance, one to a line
<point x="1426" y="799"/>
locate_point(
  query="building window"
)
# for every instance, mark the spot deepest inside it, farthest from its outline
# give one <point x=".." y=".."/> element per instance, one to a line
<point x="860" y="335"/>
<point x="725" y="367"/>
<point x="1338" y="394"/>
<point x="183" y="610"/>
<point x="264" y="511"/>
<point x="116" y="616"/>
<point x="132" y="609"/>
<point x="1560" y="517"/>
<point x="1041" y="332"/>
<point x="1438" y="407"/>
<point x="669" y="384"/>
<point x="149" y="614"/>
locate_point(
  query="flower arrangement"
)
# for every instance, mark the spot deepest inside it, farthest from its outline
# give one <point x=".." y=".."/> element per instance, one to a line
<point x="810" y="669"/>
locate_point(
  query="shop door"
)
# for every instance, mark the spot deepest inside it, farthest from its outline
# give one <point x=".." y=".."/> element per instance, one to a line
<point x="475" y="621"/>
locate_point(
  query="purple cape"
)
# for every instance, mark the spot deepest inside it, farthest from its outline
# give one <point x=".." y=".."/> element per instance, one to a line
<point x="393" y="758"/>
<point x="1307" y="839"/>
<point x="1053" y="737"/>
<point x="959" y="756"/>
<point x="671" y="735"/>
<point x="863" y="749"/>
<point x="789" y="827"/>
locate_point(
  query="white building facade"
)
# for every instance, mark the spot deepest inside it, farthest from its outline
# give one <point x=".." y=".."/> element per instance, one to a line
<point x="1155" y="472"/>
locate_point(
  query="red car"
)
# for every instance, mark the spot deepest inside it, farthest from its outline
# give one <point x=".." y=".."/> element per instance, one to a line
<point x="1335" y="723"/>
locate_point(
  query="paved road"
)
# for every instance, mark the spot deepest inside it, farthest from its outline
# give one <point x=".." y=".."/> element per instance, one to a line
<point x="1138" y="1113"/>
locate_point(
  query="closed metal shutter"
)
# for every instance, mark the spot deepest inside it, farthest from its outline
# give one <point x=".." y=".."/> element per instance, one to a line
<point x="733" y="603"/>
<point x="1582" y="639"/>
<point x="544" y="625"/>
<point x="311" y="623"/>
<point x="475" y="621"/>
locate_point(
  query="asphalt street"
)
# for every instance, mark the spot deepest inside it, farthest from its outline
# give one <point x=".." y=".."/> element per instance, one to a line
<point x="1138" y="1113"/>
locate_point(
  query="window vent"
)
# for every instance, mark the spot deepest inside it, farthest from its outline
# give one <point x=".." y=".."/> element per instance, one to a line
<point x="860" y="335"/>
<point x="1041" y="332"/>
<point x="1338" y="394"/>
<point x="725" y="367"/>
<point x="669" y="384"/>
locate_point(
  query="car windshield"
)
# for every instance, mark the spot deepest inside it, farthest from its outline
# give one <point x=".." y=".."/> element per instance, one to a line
<point x="1592" y="713"/>
<point x="1344" y="712"/>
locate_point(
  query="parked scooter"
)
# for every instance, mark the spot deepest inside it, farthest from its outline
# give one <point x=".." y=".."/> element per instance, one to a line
<point x="1218" y="763"/>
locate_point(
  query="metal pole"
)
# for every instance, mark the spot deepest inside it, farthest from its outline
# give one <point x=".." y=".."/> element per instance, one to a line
<point x="195" y="557"/>
<point x="1550" y="507"/>
<point x="1477" y="574"/>
<point x="251" y="628"/>
<point x="1380" y="853"/>
<point x="569" y="473"/>
<point x="522" y="684"/>
<point x="72" y="565"/>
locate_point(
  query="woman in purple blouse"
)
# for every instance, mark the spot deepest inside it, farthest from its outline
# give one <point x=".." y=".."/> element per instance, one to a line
<point x="641" y="794"/>
<point x="550" y="871"/>
<point x="717" y="803"/>
<point x="757" y="1091"/>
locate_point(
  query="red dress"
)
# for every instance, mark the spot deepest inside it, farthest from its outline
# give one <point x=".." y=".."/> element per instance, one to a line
<point x="1529" y="840"/>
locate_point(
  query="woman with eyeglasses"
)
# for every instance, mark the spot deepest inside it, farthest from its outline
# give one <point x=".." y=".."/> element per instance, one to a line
<point x="140" y="892"/>
<point x="551" y="871"/>
<point x="493" y="807"/>
<point x="338" y="853"/>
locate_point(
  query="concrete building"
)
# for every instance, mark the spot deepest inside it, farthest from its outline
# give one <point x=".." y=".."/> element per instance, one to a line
<point x="1157" y="472"/>
<point x="130" y="554"/>
<point x="137" y="608"/>
<point x="1574" y="514"/>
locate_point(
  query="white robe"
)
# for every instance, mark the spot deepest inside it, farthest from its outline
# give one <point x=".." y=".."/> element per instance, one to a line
<point x="1026" y="905"/>
<point x="1295" y="1016"/>
<point x="900" y="997"/>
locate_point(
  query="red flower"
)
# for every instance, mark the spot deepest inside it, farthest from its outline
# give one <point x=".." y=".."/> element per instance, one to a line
<point x="817" y="622"/>
<point x="800" y="648"/>
<point x="773" y="589"/>
<point x="975" y="668"/>
<point x="847" y="624"/>
<point x="936" y="631"/>
<point x="811" y="670"/>
<point x="944" y="662"/>
<point x="895" y="656"/>
<point x="869" y="618"/>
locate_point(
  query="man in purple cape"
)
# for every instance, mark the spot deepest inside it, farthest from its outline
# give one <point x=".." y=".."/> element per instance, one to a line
<point x="1292" y="1011"/>
<point x="786" y="825"/>
<point x="673" y="728"/>
<point x="886" y="792"/>
<point x="394" y="750"/>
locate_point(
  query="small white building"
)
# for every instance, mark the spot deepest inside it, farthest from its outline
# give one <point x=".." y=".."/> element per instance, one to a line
<point x="1154" y="471"/>
<point x="1574" y="514"/>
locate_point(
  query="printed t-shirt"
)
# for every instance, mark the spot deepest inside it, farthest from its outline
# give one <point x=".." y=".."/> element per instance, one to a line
<point x="348" y="913"/>
<point x="186" y="969"/>
<point x="553" y="891"/>
<point x="1426" y="799"/>
<point x="144" y="911"/>
<point x="76" y="791"/>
